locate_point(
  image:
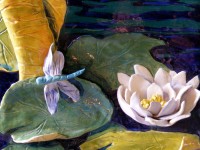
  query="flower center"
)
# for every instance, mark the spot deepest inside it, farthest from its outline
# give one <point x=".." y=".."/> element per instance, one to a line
<point x="155" y="98"/>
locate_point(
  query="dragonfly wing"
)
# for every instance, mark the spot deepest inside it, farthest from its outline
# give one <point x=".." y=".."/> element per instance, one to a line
<point x="51" y="94"/>
<point x="49" y="65"/>
<point x="69" y="89"/>
<point x="59" y="61"/>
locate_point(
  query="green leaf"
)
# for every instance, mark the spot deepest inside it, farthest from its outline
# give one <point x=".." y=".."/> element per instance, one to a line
<point x="104" y="58"/>
<point x="23" y="112"/>
<point x="8" y="60"/>
<point x="35" y="146"/>
<point x="151" y="140"/>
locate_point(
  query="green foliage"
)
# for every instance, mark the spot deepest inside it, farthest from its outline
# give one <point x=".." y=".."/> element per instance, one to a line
<point x="23" y="112"/>
<point x="104" y="58"/>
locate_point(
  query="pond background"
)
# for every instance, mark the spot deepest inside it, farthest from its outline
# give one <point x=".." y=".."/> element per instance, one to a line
<point x="177" y="22"/>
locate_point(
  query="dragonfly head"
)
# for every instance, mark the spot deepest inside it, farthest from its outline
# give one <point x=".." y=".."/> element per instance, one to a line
<point x="41" y="80"/>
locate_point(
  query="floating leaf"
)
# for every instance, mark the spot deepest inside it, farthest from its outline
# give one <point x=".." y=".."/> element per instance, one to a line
<point x="104" y="58"/>
<point x="109" y="127"/>
<point x="25" y="102"/>
<point x="151" y="140"/>
<point x="35" y="146"/>
<point x="7" y="55"/>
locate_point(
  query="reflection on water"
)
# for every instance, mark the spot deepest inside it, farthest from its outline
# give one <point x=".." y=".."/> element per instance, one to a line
<point x="106" y="17"/>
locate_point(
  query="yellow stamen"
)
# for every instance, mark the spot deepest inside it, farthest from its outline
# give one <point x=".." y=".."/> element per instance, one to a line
<point x="155" y="98"/>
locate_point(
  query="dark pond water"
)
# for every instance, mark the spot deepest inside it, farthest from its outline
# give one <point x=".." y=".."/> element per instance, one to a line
<point x="177" y="22"/>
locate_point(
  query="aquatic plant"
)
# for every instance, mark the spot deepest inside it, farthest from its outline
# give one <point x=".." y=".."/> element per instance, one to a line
<point x="159" y="101"/>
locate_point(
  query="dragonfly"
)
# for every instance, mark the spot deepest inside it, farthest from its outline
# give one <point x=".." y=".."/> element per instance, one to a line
<point x="55" y="82"/>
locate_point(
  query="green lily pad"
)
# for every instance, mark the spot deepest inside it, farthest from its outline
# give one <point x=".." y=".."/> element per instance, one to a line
<point x="104" y="58"/>
<point x="151" y="140"/>
<point x="35" y="146"/>
<point x="23" y="113"/>
<point x="8" y="59"/>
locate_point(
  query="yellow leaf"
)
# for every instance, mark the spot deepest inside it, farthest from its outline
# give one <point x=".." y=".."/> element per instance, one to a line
<point x="30" y="34"/>
<point x="55" y="12"/>
<point x="151" y="140"/>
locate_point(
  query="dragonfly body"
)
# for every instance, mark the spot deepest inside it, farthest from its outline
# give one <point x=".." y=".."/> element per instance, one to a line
<point x="51" y="79"/>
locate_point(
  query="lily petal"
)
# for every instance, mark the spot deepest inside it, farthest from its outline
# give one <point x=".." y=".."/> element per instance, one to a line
<point x="123" y="79"/>
<point x="138" y="118"/>
<point x="138" y="84"/>
<point x="169" y="91"/>
<point x="154" y="89"/>
<point x="155" y="122"/>
<point x="182" y="91"/>
<point x="194" y="82"/>
<point x="172" y="73"/>
<point x="191" y="97"/>
<point x="135" y="104"/>
<point x="173" y="121"/>
<point x="58" y="60"/>
<point x="178" y="113"/>
<point x="161" y="77"/>
<point x="127" y="109"/>
<point x="69" y="89"/>
<point x="179" y="79"/>
<point x="48" y="66"/>
<point x="144" y="72"/>
<point x="51" y="94"/>
<point x="128" y="95"/>
<point x="169" y="108"/>
<point x="154" y="108"/>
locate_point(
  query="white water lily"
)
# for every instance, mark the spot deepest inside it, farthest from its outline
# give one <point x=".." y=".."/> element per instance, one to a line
<point x="161" y="100"/>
